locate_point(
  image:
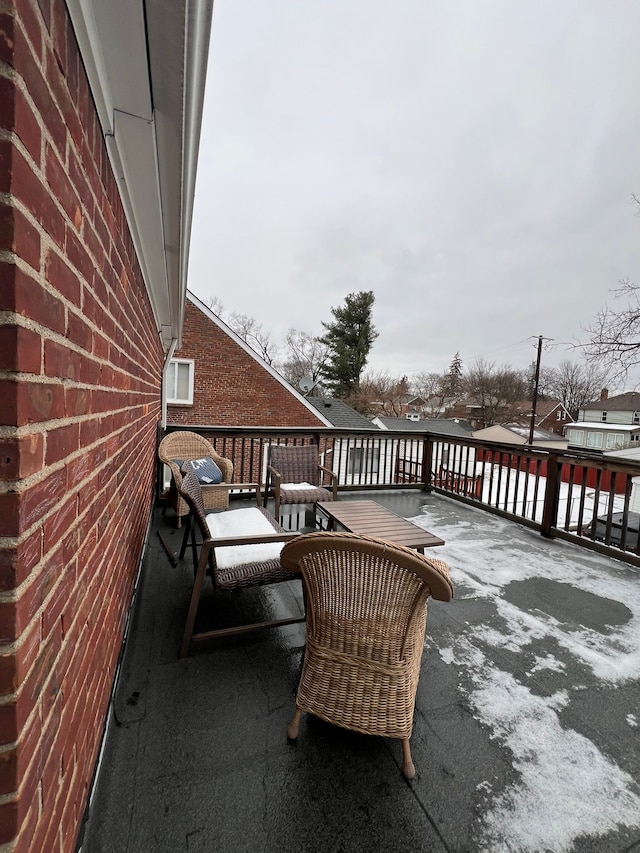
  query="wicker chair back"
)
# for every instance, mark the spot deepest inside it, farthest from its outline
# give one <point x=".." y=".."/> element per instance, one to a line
<point x="245" y="572"/>
<point x="294" y="464"/>
<point x="183" y="446"/>
<point x="366" y="616"/>
<point x="297" y="464"/>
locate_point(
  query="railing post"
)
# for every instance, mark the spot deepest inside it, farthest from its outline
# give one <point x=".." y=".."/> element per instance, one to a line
<point x="427" y="459"/>
<point x="551" y="496"/>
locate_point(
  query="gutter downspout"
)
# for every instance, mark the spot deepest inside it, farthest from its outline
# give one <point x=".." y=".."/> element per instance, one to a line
<point x="169" y="356"/>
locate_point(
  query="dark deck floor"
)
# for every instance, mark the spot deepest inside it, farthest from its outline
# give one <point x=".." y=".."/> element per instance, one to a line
<point x="525" y="733"/>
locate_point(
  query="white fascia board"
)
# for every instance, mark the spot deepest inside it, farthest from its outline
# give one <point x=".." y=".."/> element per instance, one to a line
<point x="254" y="355"/>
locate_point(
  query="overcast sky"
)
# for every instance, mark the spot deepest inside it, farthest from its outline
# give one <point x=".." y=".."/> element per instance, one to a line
<point x="470" y="161"/>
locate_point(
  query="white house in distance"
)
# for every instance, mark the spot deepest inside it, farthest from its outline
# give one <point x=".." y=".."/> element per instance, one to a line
<point x="610" y="423"/>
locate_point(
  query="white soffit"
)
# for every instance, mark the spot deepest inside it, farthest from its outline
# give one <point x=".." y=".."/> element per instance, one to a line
<point x="146" y="62"/>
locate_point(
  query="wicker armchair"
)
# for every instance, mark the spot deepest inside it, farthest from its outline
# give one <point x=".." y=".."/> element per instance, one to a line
<point x="241" y="560"/>
<point x="179" y="447"/>
<point x="295" y="474"/>
<point x="366" y="614"/>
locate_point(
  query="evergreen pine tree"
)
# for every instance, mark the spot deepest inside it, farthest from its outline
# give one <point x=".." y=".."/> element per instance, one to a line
<point x="454" y="376"/>
<point x="349" y="339"/>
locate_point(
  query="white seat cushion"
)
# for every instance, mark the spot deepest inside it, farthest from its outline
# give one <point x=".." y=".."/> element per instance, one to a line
<point x="297" y="486"/>
<point x="239" y="523"/>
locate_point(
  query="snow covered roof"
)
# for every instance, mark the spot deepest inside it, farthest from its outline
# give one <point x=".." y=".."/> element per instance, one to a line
<point x="604" y="427"/>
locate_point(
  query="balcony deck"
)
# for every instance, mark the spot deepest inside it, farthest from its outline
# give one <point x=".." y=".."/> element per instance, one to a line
<point x="525" y="732"/>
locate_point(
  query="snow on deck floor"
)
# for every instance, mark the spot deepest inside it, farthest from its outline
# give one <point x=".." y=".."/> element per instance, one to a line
<point x="566" y="786"/>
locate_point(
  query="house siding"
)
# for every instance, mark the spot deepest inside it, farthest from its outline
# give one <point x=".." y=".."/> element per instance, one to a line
<point x="80" y="368"/>
<point x="231" y="387"/>
<point x="612" y="417"/>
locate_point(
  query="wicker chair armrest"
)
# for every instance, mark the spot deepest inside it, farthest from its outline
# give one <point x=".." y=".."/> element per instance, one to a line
<point x="226" y="541"/>
<point x="333" y="480"/>
<point x="225" y="465"/>
<point x="175" y="471"/>
<point x="277" y="476"/>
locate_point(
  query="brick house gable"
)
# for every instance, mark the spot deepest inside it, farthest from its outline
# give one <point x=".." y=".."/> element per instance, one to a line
<point x="551" y="415"/>
<point x="232" y="384"/>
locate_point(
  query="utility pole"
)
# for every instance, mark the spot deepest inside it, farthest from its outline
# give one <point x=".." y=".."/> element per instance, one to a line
<point x="536" y="379"/>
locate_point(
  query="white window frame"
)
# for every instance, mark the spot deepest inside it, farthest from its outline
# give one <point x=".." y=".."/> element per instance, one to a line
<point x="180" y="401"/>
<point x="614" y="441"/>
<point x="594" y="440"/>
<point x="575" y="436"/>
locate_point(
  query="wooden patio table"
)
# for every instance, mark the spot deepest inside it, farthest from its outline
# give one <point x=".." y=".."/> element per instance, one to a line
<point x="368" y="518"/>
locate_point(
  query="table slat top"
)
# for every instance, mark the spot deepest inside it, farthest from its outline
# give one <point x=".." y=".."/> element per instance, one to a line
<point x="369" y="518"/>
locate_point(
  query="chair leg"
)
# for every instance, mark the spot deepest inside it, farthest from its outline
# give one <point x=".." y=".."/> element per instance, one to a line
<point x="294" y="726"/>
<point x="408" y="767"/>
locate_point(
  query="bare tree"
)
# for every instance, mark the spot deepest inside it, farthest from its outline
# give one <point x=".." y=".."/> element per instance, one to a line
<point x="495" y="389"/>
<point x="615" y="333"/>
<point x="432" y="387"/>
<point x="379" y="393"/>
<point x="307" y="356"/>
<point x="254" y="335"/>
<point x="575" y="384"/>
<point x="216" y="305"/>
<point x="441" y="391"/>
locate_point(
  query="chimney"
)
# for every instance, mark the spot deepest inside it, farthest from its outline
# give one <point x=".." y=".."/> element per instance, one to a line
<point x="604" y="394"/>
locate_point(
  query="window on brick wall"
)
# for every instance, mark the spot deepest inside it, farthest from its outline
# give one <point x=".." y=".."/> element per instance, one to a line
<point x="180" y="381"/>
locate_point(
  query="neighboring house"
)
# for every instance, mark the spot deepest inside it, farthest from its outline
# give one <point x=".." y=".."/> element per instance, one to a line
<point x="338" y="414"/>
<point x="449" y="461"/>
<point x="216" y="379"/>
<point x="551" y="415"/>
<point x="442" y="426"/>
<point x="598" y="437"/>
<point x="414" y="405"/>
<point x="519" y="435"/>
<point x="610" y="423"/>
<point x="621" y="409"/>
<point x="358" y="461"/>
<point x="468" y="411"/>
<point x="100" y="112"/>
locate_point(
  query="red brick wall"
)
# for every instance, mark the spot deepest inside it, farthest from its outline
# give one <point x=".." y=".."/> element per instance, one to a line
<point x="552" y="423"/>
<point x="230" y="387"/>
<point x="80" y="366"/>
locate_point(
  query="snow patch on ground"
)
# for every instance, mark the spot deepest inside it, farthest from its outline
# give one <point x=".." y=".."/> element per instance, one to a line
<point x="566" y="787"/>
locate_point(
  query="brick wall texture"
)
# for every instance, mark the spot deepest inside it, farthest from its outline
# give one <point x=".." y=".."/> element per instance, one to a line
<point x="231" y="388"/>
<point x="80" y="367"/>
